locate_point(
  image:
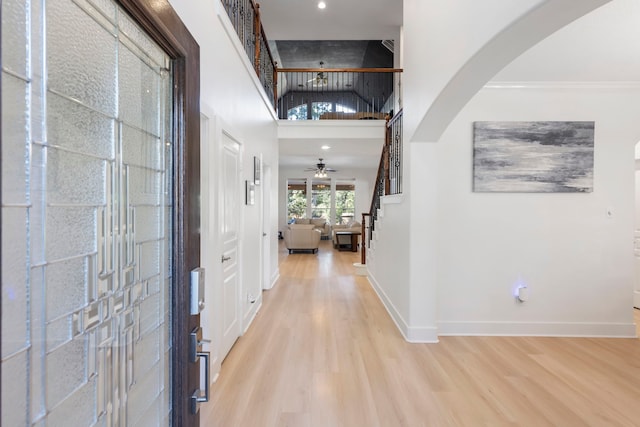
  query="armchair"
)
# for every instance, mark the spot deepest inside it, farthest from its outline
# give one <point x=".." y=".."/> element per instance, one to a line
<point x="302" y="237"/>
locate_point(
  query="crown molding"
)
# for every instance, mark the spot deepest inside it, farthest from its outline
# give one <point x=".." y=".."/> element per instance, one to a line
<point x="562" y="85"/>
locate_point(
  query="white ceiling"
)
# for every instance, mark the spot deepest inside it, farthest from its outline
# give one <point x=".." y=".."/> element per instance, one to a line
<point x="344" y="154"/>
<point x="341" y="20"/>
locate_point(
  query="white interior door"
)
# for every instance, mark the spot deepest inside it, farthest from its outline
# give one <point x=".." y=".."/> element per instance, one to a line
<point x="229" y="226"/>
<point x="266" y="227"/>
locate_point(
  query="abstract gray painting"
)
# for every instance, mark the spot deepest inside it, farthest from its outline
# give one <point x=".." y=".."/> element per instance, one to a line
<point x="533" y="157"/>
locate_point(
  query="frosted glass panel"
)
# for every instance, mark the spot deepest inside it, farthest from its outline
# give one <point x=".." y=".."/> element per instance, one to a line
<point x="58" y="332"/>
<point x="69" y="359"/>
<point x="142" y="149"/>
<point x="86" y="218"/>
<point x="71" y="231"/>
<point x="14" y="391"/>
<point x="81" y="57"/>
<point x="149" y="260"/>
<point x="66" y="287"/>
<point x="14" y="139"/>
<point x="78" y="128"/>
<point x="106" y="7"/>
<point x="147" y="48"/>
<point x="14" y="280"/>
<point x="75" y="178"/>
<point x="138" y="394"/>
<point x="145" y="186"/>
<point x="148" y="222"/>
<point x="76" y="411"/>
<point x="139" y="92"/>
<point x="147" y="355"/>
<point x="14" y="36"/>
<point x="150" y="316"/>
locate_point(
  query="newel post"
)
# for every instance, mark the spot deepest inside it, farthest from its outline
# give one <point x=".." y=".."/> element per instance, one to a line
<point x="363" y="253"/>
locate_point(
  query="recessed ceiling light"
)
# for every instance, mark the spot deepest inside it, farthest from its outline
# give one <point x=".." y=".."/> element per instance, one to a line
<point x="322" y="5"/>
<point x="325" y="147"/>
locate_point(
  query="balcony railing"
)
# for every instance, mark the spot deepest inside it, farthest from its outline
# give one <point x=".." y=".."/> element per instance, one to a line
<point x="245" y="17"/>
<point x="322" y="93"/>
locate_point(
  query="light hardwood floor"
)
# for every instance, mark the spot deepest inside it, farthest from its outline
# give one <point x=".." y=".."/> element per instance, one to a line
<point x="324" y="352"/>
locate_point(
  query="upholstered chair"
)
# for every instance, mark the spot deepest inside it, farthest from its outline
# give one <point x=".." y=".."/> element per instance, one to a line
<point x="302" y="237"/>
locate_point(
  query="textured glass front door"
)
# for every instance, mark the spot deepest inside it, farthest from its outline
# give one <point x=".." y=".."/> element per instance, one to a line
<point x="86" y="217"/>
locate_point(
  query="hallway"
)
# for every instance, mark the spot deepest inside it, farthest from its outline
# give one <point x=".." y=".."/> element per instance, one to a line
<point x="322" y="351"/>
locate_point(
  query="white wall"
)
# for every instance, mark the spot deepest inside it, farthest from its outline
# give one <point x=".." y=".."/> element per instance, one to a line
<point x="636" y="242"/>
<point x="577" y="262"/>
<point x="452" y="47"/>
<point x="364" y="179"/>
<point x="388" y="262"/>
<point x="233" y="103"/>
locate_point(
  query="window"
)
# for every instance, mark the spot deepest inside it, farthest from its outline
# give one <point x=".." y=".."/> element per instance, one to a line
<point x="296" y="199"/>
<point x="345" y="203"/>
<point x="319" y="108"/>
<point x="321" y="199"/>
<point x="344" y="109"/>
<point x="297" y="113"/>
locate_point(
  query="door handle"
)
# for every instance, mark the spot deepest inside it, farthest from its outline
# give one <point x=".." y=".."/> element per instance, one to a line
<point x="196" y="399"/>
<point x="264" y="234"/>
<point x="225" y="258"/>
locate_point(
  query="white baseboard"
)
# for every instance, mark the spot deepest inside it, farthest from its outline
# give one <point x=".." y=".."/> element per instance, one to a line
<point x="251" y="314"/>
<point x="410" y="334"/>
<point x="543" y="329"/>
<point x="274" y="278"/>
<point x="422" y="335"/>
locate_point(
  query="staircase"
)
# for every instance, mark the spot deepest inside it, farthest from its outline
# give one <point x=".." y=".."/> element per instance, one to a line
<point x="388" y="186"/>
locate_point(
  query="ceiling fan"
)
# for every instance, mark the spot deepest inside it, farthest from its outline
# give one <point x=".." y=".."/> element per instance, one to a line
<point x="320" y="79"/>
<point x="321" y="169"/>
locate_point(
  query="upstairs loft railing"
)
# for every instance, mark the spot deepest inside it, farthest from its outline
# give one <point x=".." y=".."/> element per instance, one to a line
<point x="389" y="178"/>
<point x="245" y="17"/>
<point x="320" y="93"/>
<point x="336" y="93"/>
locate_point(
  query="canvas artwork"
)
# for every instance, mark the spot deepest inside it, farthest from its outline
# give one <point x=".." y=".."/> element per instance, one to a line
<point x="533" y="157"/>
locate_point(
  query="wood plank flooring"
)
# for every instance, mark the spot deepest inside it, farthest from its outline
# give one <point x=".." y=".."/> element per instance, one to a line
<point x="322" y="351"/>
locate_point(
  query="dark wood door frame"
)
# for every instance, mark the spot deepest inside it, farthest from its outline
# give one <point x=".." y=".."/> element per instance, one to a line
<point x="162" y="23"/>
